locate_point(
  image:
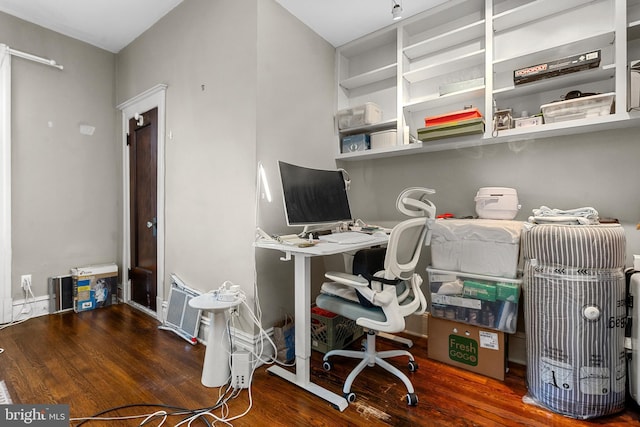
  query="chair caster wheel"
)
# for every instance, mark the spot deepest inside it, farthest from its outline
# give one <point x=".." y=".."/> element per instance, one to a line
<point x="326" y="365"/>
<point x="351" y="397"/>
<point x="413" y="366"/>
<point x="412" y="399"/>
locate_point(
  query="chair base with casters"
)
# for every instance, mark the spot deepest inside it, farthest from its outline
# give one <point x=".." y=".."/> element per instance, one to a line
<point x="370" y="357"/>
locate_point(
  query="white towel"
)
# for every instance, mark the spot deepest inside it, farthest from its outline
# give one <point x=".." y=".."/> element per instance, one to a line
<point x="584" y="216"/>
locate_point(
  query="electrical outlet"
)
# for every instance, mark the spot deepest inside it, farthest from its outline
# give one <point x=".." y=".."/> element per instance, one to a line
<point x="25" y="281"/>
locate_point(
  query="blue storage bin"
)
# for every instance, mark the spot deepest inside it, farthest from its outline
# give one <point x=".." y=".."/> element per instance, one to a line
<point x="359" y="142"/>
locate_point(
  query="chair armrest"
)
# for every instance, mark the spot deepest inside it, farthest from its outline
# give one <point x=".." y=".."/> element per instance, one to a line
<point x="347" y="279"/>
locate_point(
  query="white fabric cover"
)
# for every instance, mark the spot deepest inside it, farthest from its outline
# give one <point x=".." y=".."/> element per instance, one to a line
<point x="480" y="246"/>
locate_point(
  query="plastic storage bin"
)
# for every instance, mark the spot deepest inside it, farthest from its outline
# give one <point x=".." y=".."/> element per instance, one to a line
<point x="359" y="142"/>
<point x="578" y="108"/>
<point x="330" y="331"/>
<point x="362" y="115"/>
<point x="490" y="302"/>
<point x="385" y="138"/>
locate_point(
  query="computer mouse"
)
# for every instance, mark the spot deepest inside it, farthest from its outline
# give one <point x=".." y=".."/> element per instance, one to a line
<point x="379" y="234"/>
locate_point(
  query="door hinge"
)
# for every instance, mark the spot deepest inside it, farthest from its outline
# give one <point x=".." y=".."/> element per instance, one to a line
<point x="129" y="274"/>
<point x="128" y="139"/>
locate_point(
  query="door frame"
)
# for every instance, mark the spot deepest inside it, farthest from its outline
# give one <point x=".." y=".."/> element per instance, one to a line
<point x="6" y="302"/>
<point x="154" y="97"/>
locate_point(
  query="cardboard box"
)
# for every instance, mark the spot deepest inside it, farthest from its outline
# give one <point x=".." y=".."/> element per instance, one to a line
<point x="447" y="130"/>
<point x="571" y="64"/>
<point x="479" y="290"/>
<point x="94" y="286"/>
<point x="468" y="347"/>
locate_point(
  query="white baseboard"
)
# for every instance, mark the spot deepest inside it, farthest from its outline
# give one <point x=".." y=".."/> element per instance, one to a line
<point x="24" y="309"/>
<point x="242" y="340"/>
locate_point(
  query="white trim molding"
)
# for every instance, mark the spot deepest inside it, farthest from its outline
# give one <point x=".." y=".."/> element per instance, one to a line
<point x="5" y="185"/>
<point x="147" y="100"/>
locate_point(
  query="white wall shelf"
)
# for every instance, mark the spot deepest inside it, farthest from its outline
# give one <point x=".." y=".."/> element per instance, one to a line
<point x="573" y="127"/>
<point x="370" y="77"/>
<point x="472" y="31"/>
<point x="461" y="41"/>
<point x="435" y="101"/>
<point x="531" y="55"/>
<point x="532" y="11"/>
<point x="436" y="69"/>
<point x="568" y="80"/>
<point x="385" y="125"/>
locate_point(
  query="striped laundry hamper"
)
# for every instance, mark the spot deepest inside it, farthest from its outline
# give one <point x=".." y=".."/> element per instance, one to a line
<point x="574" y="306"/>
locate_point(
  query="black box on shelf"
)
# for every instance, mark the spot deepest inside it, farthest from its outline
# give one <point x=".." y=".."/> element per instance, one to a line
<point x="571" y="64"/>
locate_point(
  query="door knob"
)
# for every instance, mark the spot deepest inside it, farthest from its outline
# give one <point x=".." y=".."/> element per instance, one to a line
<point x="153" y="225"/>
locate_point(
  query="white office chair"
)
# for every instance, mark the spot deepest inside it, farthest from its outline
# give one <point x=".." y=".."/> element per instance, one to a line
<point x="394" y="295"/>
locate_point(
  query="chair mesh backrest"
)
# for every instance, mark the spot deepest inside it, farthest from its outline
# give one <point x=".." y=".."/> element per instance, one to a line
<point x="404" y="248"/>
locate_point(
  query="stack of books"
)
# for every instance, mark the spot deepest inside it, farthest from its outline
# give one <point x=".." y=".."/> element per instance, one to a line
<point x="457" y="123"/>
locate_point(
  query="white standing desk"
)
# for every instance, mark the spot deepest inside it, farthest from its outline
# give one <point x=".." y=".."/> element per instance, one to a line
<point x="302" y="278"/>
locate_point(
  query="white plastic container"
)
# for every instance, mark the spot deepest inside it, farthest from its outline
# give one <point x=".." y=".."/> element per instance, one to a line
<point x="362" y="115"/>
<point x="385" y="138"/>
<point x="578" y="108"/>
<point x="497" y="203"/>
<point x="489" y="247"/>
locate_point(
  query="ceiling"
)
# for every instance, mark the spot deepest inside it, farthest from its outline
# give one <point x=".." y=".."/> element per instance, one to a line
<point x="340" y="21"/>
<point x="113" y="24"/>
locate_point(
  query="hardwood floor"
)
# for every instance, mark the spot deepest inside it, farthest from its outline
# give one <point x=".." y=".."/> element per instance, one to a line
<point x="117" y="356"/>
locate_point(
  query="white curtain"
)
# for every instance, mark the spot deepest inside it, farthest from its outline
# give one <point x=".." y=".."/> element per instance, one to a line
<point x="5" y="185"/>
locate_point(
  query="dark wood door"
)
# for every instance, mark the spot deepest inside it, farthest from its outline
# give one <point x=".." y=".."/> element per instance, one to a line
<point x="143" y="157"/>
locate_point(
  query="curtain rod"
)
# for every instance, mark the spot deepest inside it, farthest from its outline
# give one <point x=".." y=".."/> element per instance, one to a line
<point x="34" y="58"/>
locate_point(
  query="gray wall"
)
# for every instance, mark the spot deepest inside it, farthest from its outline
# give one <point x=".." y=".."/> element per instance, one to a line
<point x="593" y="169"/>
<point x="208" y="62"/>
<point x="269" y="95"/>
<point x="64" y="185"/>
<point x="296" y="100"/>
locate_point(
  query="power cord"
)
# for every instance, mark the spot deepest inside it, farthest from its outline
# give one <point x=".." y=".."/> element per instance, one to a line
<point x="24" y="309"/>
<point x="225" y="392"/>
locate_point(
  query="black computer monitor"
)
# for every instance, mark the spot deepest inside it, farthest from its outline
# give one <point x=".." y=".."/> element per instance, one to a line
<point x="313" y="197"/>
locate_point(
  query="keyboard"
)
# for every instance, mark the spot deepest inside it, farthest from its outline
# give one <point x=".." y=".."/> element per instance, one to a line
<point x="347" y="238"/>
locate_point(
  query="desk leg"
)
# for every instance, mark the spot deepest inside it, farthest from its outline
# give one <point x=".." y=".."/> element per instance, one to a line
<point x="301" y="378"/>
